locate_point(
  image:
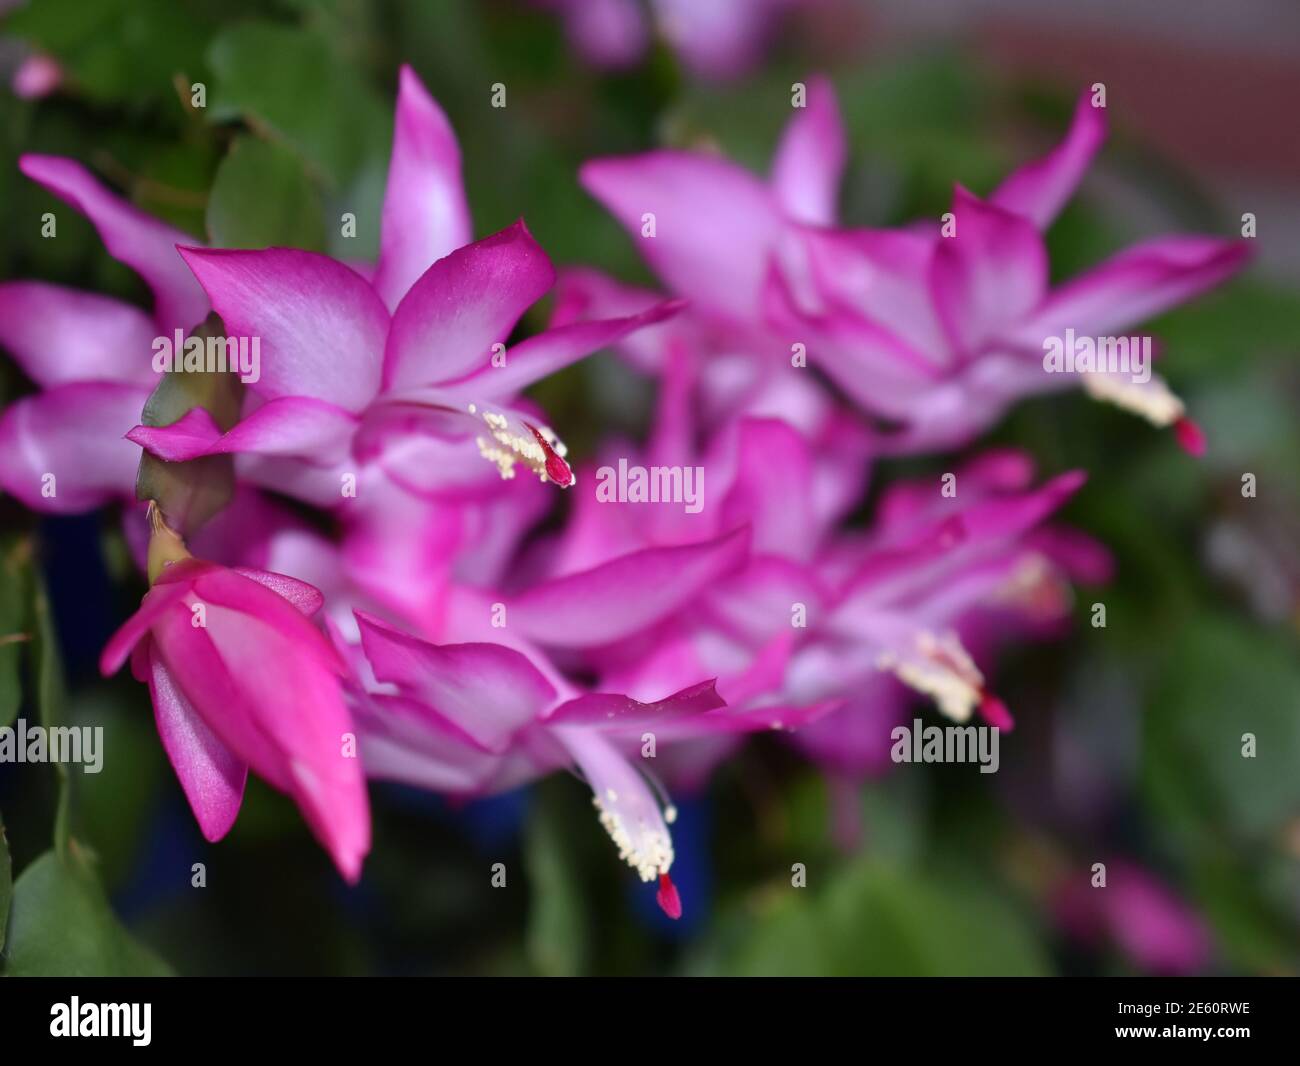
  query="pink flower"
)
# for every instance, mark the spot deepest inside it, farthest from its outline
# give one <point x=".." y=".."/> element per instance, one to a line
<point x="888" y="600"/>
<point x="37" y="76"/>
<point x="334" y="376"/>
<point x="400" y="372"/>
<point x="939" y="332"/>
<point x="1157" y="931"/>
<point x="241" y="679"/>
<point x="90" y="355"/>
<point x="1004" y="573"/>
<point x="813" y="628"/>
<point x="478" y="718"/>
<point x="716" y="39"/>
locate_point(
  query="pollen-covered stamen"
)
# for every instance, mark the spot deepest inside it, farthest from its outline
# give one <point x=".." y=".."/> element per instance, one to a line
<point x="1037" y="589"/>
<point x="512" y="440"/>
<point x="1152" y="399"/>
<point x="641" y="838"/>
<point x="629" y="809"/>
<point x="941" y="668"/>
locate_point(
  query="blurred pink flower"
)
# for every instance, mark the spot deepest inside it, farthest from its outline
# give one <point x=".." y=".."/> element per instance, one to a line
<point x="90" y="354"/>
<point x="811" y="623"/>
<point x="939" y="334"/>
<point x="1155" y="929"/>
<point x="478" y="718"/>
<point x="37" y="76"/>
<point x="715" y="39"/>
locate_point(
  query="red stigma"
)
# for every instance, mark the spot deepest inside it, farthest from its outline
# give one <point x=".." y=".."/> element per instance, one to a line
<point x="995" y="712"/>
<point x="667" y="898"/>
<point x="1190" y="437"/>
<point x="556" y="468"/>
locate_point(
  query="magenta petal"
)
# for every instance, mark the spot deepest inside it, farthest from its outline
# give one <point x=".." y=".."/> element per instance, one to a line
<point x="779" y="716"/>
<point x="425" y="215"/>
<point x="717" y="38"/>
<point x="446" y="325"/>
<point x="60" y="335"/>
<point x="1080" y="557"/>
<point x="132" y="237"/>
<point x="401" y="740"/>
<point x="155" y="602"/>
<point x="487" y="691"/>
<point x="624" y="596"/>
<point x="607" y="33"/>
<point x="1154" y="927"/>
<point x="322" y="327"/>
<point x="993" y="271"/>
<point x="772" y="489"/>
<point x="306" y="598"/>
<point x="584" y="295"/>
<point x="261" y="597"/>
<point x="209" y="772"/>
<point x="811" y="156"/>
<point x="1038" y="190"/>
<point x="1005" y="517"/>
<point x="37" y="75"/>
<point x="263" y="683"/>
<point x="715" y="225"/>
<point x="74" y="432"/>
<point x="614" y="713"/>
<point x="541" y="355"/>
<point x="875" y="366"/>
<point x="754" y="604"/>
<point x="1131" y="287"/>
<point x="194" y="434"/>
<point x="855" y="739"/>
<point x="288" y="425"/>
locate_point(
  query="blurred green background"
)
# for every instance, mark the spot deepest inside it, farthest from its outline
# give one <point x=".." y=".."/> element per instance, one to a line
<point x="1129" y="739"/>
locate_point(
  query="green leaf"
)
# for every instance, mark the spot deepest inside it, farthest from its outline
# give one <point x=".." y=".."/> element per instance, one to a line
<point x="115" y="50"/>
<point x="6" y="884"/>
<point x="191" y="492"/>
<point x="51" y="700"/>
<point x="876" y="920"/>
<point x="114" y="807"/>
<point x="62" y="926"/>
<point x="558" y="938"/>
<point x="262" y="197"/>
<point x="290" y="84"/>
<point x="1246" y="322"/>
<point x="1221" y="679"/>
<point x="15" y="600"/>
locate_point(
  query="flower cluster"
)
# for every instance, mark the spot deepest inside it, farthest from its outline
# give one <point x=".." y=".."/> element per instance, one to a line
<point x="377" y="601"/>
